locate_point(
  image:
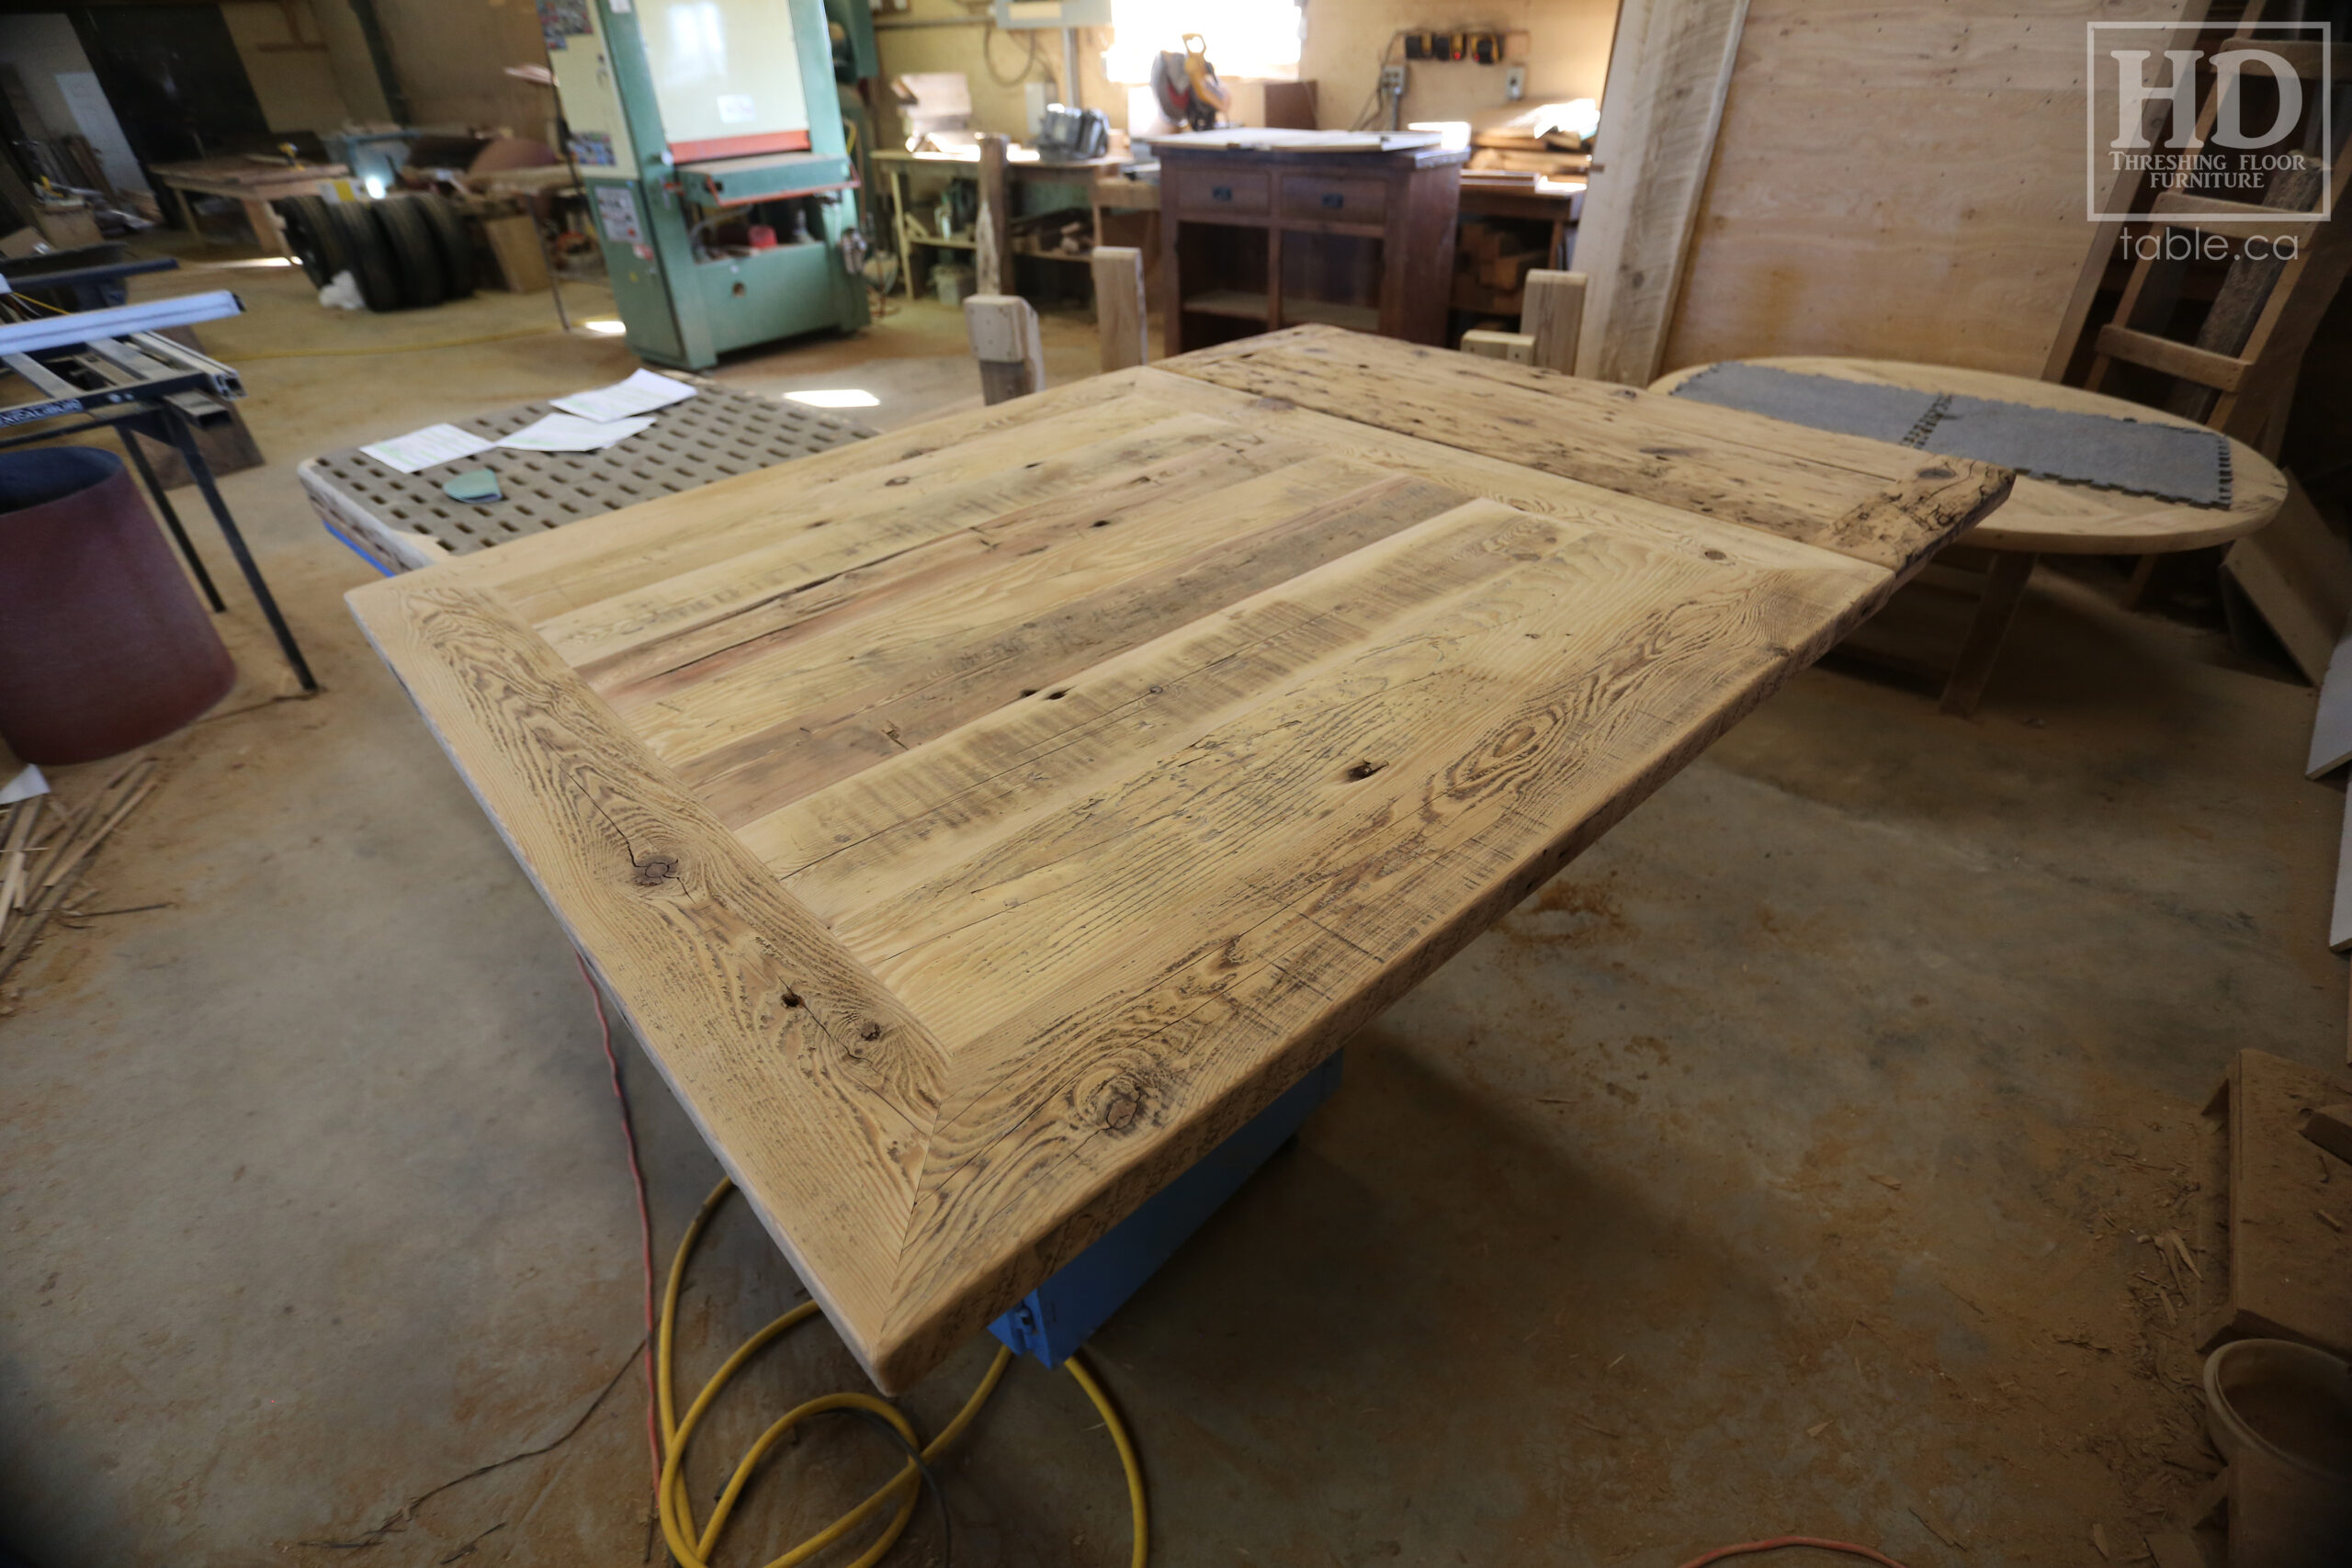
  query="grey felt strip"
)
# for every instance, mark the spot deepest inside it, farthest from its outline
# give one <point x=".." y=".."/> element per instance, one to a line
<point x="2168" y="462"/>
<point x="1822" y="403"/>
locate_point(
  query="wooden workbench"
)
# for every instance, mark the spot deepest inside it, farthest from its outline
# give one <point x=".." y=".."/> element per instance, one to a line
<point x="254" y="182"/>
<point x="1556" y="203"/>
<point x="979" y="822"/>
<point x="916" y="234"/>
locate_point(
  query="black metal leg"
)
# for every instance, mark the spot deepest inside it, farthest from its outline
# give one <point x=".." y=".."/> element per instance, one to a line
<point x="172" y="521"/>
<point x="177" y="431"/>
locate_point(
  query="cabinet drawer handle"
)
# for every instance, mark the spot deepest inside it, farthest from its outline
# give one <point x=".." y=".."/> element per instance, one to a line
<point x="1220" y="193"/>
<point x="1334" y="201"/>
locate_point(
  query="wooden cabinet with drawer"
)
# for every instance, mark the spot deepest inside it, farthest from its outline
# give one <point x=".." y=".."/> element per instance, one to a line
<point x="1210" y="194"/>
<point x="1319" y="198"/>
<point x="1338" y="227"/>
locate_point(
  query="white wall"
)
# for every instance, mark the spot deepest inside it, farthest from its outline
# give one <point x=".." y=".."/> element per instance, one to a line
<point x="64" y="91"/>
<point x="1563" y="43"/>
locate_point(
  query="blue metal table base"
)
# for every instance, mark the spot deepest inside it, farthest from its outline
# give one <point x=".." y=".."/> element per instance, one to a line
<point x="1060" y="1314"/>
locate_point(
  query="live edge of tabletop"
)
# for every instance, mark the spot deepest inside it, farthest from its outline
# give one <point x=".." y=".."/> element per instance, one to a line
<point x="979" y="822"/>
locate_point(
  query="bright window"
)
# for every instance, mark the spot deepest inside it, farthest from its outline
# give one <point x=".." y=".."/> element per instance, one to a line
<point x="1246" y="37"/>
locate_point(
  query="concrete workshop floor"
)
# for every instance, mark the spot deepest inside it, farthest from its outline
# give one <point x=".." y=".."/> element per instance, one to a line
<point x="1778" y="1167"/>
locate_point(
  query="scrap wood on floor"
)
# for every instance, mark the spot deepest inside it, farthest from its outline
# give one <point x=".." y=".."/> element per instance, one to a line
<point x="46" y="849"/>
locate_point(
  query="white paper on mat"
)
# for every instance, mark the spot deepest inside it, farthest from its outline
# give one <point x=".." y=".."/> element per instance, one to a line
<point x="642" y="393"/>
<point x="420" y="449"/>
<point x="566" y="433"/>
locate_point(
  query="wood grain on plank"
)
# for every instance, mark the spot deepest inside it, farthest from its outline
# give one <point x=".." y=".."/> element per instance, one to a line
<point x="1121" y="317"/>
<point x="1037" y="659"/>
<point x="981" y="827"/>
<point x="867" y="681"/>
<point x="813" y="1084"/>
<point x="545" y="574"/>
<point x="1859" y="498"/>
<point x="1671" y="67"/>
<point x="1837" y="218"/>
<point x="1335" y="886"/>
<point x="860" y="532"/>
<point x="1935" y="515"/>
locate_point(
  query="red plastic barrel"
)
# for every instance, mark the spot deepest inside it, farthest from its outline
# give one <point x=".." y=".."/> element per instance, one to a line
<point x="104" y="644"/>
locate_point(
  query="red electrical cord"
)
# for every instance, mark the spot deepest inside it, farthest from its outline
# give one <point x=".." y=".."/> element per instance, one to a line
<point x="1779" y="1542"/>
<point x="644" y="1214"/>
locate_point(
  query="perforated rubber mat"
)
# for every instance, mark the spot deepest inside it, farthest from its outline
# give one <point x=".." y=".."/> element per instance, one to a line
<point x="724" y="431"/>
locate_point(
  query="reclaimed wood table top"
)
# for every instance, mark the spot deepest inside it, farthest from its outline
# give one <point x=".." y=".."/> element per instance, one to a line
<point x="242" y="177"/>
<point x="2051" y="518"/>
<point x="981" y="822"/>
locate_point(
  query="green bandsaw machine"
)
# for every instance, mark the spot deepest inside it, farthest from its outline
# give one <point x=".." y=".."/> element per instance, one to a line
<point x="721" y="179"/>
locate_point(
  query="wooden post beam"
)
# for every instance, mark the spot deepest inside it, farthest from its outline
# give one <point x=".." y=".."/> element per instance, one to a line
<point x="1003" y="330"/>
<point x="992" y="232"/>
<point x="1553" y="315"/>
<point x="1119" y="318"/>
<point x="1517" y="348"/>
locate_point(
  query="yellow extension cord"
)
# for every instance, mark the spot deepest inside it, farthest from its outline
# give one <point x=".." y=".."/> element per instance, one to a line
<point x="693" y="1547"/>
<point x="396" y="347"/>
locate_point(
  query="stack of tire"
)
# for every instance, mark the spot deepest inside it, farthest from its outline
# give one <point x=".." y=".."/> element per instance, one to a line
<point x="405" y="251"/>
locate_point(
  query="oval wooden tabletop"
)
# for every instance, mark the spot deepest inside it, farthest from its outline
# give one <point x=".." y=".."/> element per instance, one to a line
<point x="2067" y="519"/>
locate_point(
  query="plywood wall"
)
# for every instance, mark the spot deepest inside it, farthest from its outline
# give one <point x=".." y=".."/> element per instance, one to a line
<point x="451" y="58"/>
<point x="297" y="85"/>
<point x="1898" y="181"/>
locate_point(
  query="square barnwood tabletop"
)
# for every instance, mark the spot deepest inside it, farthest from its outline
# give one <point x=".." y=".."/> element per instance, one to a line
<point x="978" y="823"/>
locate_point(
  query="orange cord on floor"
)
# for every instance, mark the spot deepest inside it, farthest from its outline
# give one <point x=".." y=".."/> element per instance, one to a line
<point x="1783" y="1542"/>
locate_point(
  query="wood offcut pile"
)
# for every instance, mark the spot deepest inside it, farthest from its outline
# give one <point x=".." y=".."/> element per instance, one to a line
<point x="1491" y="261"/>
<point x="1069" y="233"/>
<point x="45" y="848"/>
<point x="1557" y="154"/>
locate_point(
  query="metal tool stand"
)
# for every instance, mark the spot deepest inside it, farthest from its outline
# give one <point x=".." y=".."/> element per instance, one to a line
<point x="149" y="384"/>
<point x="397" y="522"/>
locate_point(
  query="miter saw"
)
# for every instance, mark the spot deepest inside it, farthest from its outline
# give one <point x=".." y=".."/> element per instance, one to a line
<point x="1187" y="86"/>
